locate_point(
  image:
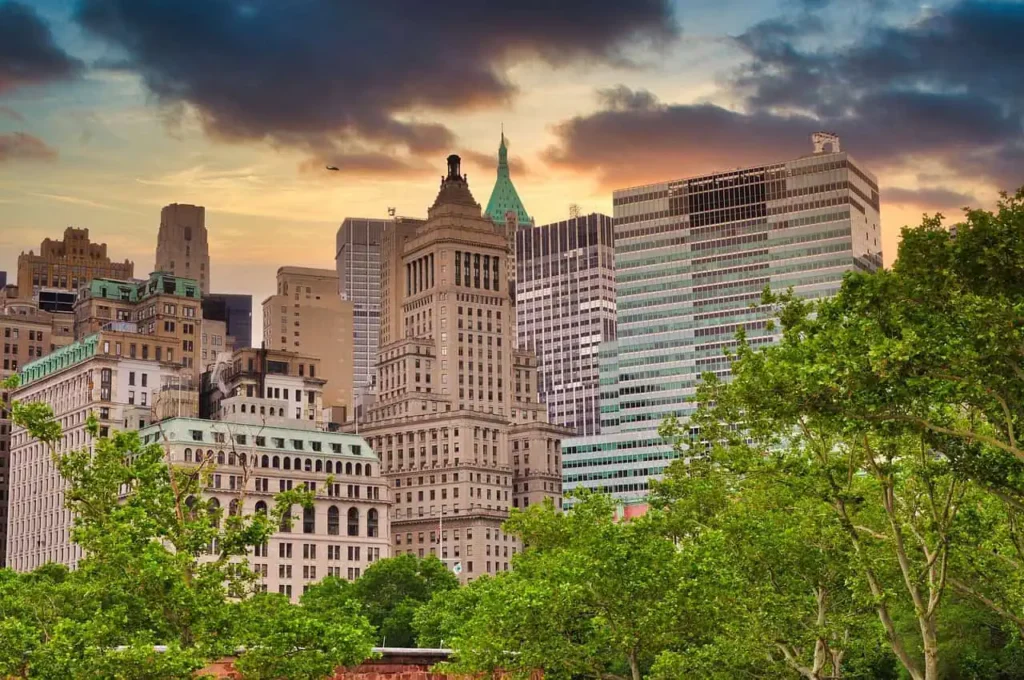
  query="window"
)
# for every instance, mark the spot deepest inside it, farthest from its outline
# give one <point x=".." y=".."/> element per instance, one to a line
<point x="308" y="520"/>
<point x="333" y="521"/>
<point x="372" y="522"/>
<point x="353" y="522"/>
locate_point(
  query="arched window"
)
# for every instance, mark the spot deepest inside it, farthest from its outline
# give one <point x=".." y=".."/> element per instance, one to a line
<point x="190" y="506"/>
<point x="188" y="455"/>
<point x="298" y="463"/>
<point x="309" y="520"/>
<point x="353" y="521"/>
<point x="277" y="462"/>
<point x="287" y="463"/>
<point x="371" y="522"/>
<point x="348" y="468"/>
<point x="241" y="459"/>
<point x="232" y="458"/>
<point x="235" y="507"/>
<point x="261" y="508"/>
<point x="308" y="467"/>
<point x="220" y="458"/>
<point x="367" y="469"/>
<point x="319" y="465"/>
<point x="209" y="455"/>
<point x="265" y="462"/>
<point x="286" y="521"/>
<point x="329" y="467"/>
<point x="359" y="469"/>
<point x="333" y="521"/>
<point x="213" y="510"/>
<point x="273" y="411"/>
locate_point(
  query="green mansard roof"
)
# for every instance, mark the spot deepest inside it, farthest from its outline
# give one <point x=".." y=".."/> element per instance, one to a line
<point x="504" y="196"/>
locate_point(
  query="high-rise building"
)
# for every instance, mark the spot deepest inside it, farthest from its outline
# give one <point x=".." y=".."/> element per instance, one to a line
<point x="163" y="304"/>
<point x="565" y="309"/>
<point x="308" y="317"/>
<point x="692" y="257"/>
<point x="68" y="264"/>
<point x="457" y="424"/>
<point x="357" y="258"/>
<point x="3" y="279"/>
<point x="93" y="376"/>
<point x="506" y="210"/>
<point x="182" y="247"/>
<point x="235" y="311"/>
<point x="28" y="334"/>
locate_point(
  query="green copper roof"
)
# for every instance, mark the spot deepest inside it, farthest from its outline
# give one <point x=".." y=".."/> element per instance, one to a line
<point x="133" y="291"/>
<point x="504" y="196"/>
<point x="61" y="358"/>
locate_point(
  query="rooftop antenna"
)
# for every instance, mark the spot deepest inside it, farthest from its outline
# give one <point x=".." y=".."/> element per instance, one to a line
<point x="391" y="211"/>
<point x="574" y="210"/>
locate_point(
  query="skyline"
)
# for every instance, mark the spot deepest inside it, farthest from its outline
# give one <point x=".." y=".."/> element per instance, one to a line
<point x="110" y="123"/>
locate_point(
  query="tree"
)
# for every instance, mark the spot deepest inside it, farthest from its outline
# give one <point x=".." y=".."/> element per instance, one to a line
<point x="391" y="590"/>
<point x="160" y="564"/>
<point x="589" y="598"/>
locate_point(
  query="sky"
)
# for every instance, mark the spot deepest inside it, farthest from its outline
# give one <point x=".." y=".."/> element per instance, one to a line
<point x="110" y="109"/>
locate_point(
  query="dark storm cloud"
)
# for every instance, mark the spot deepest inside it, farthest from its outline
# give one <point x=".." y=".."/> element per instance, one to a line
<point x="28" y="53"/>
<point x="947" y="88"/>
<point x="323" y="74"/>
<point x="21" y="146"/>
<point x="931" y="199"/>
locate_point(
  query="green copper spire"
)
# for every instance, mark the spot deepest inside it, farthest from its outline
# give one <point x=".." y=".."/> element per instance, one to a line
<point x="504" y="197"/>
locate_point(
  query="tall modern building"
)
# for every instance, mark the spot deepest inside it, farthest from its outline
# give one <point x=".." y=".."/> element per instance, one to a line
<point x="691" y="259"/>
<point x="181" y="247"/>
<point x="67" y="264"/>
<point x="457" y="424"/>
<point x="236" y="312"/>
<point x="565" y="310"/>
<point x="357" y="259"/>
<point x="307" y="316"/>
<point x="506" y="210"/>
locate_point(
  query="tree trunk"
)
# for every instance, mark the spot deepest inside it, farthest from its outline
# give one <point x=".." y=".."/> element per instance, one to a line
<point x="931" y="649"/>
<point x="634" y="666"/>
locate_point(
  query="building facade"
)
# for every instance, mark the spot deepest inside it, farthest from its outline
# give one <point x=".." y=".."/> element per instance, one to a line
<point x="357" y="258"/>
<point x="163" y="305"/>
<point x="68" y="264"/>
<point x="182" y="247"/>
<point x="28" y="334"/>
<point x="235" y="311"/>
<point x="506" y="210"/>
<point x="86" y="377"/>
<point x="565" y="309"/>
<point x="308" y="317"/>
<point x="691" y="259"/>
<point x="457" y="424"/>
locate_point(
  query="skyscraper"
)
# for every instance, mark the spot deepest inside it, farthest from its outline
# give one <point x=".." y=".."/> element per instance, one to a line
<point x="235" y="311"/>
<point x="691" y="259"/>
<point x="457" y="424"/>
<point x="181" y="246"/>
<point x="507" y="211"/>
<point x="307" y="316"/>
<point x="357" y="259"/>
<point x="67" y="264"/>
<point x="565" y="309"/>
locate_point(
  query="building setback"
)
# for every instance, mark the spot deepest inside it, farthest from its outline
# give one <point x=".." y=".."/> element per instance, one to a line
<point x="691" y="259"/>
<point x="182" y="245"/>
<point x="68" y="264"/>
<point x="307" y="316"/>
<point x="565" y="309"/>
<point x="457" y="424"/>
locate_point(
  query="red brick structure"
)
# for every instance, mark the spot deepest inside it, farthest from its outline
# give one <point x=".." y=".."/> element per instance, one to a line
<point x="392" y="664"/>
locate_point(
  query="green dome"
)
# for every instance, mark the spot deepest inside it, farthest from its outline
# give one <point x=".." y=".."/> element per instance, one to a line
<point x="504" y="197"/>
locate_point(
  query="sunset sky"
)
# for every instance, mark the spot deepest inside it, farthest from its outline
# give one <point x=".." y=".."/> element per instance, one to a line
<point x="110" y="109"/>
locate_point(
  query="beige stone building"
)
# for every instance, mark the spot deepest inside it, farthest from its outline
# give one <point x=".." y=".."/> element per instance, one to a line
<point x="307" y="316"/>
<point x="457" y="424"/>
<point x="68" y="264"/>
<point x="182" y="246"/>
<point x="94" y="375"/>
<point x="28" y="334"/>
